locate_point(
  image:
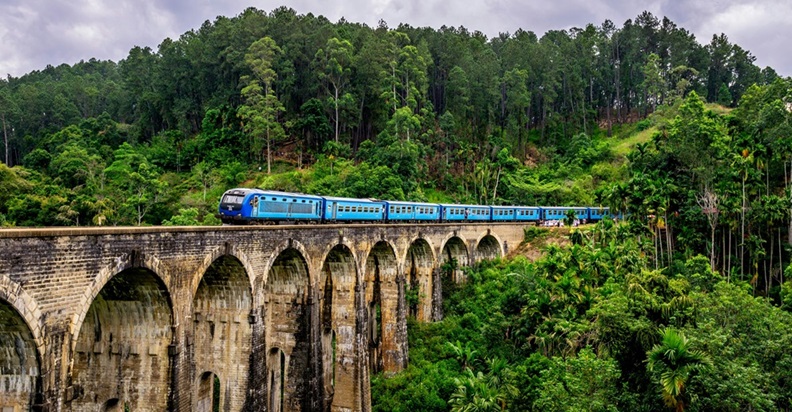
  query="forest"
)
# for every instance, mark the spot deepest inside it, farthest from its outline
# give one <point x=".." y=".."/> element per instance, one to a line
<point x="684" y="305"/>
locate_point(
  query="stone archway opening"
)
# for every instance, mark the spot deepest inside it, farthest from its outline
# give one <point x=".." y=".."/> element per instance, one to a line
<point x="276" y="379"/>
<point x="288" y="321"/>
<point x="419" y="280"/>
<point x="488" y="248"/>
<point x="19" y="362"/>
<point x="113" y="405"/>
<point x="122" y="345"/>
<point x="382" y="300"/>
<point x="338" y="319"/>
<point x="222" y="334"/>
<point x="208" y="395"/>
<point x="455" y="257"/>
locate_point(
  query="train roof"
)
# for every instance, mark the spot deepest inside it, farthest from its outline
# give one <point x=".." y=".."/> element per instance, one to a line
<point x="275" y="193"/>
<point x="351" y="199"/>
<point x="404" y="202"/>
<point x="457" y="205"/>
<point x="300" y="195"/>
<point x="563" y="207"/>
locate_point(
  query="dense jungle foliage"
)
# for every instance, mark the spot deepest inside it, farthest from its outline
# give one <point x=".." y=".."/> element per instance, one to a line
<point x="593" y="326"/>
<point x="684" y="305"/>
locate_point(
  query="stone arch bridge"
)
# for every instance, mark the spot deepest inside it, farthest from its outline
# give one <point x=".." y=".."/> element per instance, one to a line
<point x="284" y="318"/>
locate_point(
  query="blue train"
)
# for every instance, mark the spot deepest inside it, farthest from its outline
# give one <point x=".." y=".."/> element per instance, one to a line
<point x="246" y="206"/>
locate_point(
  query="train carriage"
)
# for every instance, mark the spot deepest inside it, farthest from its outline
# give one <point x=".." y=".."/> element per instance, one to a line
<point x="272" y="207"/>
<point x="560" y="212"/>
<point x="598" y="213"/>
<point x="503" y="213"/>
<point x="398" y="211"/>
<point x="342" y="209"/>
<point x="527" y="214"/>
<point x="465" y="213"/>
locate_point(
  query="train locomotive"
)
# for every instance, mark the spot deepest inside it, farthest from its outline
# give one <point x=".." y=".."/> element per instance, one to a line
<point x="257" y="206"/>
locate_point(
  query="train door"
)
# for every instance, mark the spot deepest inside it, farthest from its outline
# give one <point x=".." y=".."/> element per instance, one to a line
<point x="254" y="206"/>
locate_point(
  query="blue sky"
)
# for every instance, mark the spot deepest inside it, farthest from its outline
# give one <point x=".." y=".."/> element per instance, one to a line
<point x="35" y="33"/>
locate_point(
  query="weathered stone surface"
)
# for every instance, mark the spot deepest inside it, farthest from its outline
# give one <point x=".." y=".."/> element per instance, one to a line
<point x="274" y="318"/>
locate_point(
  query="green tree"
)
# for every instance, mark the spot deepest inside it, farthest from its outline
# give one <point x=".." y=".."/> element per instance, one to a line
<point x="336" y="63"/>
<point x="672" y="363"/>
<point x="584" y="382"/>
<point x="8" y="110"/>
<point x="262" y="107"/>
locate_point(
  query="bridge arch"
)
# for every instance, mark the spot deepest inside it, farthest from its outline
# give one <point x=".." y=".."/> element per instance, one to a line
<point x="454" y="254"/>
<point x="24" y="305"/>
<point x="222" y="333"/>
<point x="122" y="346"/>
<point x="208" y="393"/>
<point x="288" y="321"/>
<point x="382" y="295"/>
<point x="284" y="246"/>
<point x="338" y="317"/>
<point x="20" y="347"/>
<point x="228" y="249"/>
<point x="418" y="266"/>
<point x="130" y="260"/>
<point x="488" y="246"/>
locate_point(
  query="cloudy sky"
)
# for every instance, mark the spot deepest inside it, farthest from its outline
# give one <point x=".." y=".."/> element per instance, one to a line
<point x="35" y="33"/>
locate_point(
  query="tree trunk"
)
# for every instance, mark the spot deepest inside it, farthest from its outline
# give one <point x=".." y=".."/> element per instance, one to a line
<point x="5" y="139"/>
<point x="712" y="248"/>
<point x="728" y="272"/>
<point x="269" y="154"/>
<point x="780" y="256"/>
<point x="495" y="190"/>
<point x="742" y="230"/>
<point x="669" y="249"/>
<point x="336" y="113"/>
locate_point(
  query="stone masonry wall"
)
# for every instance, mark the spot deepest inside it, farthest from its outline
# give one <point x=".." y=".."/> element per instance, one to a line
<point x="110" y="317"/>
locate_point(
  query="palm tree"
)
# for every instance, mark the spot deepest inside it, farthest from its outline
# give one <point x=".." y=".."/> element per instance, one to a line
<point x="672" y="363"/>
<point x="477" y="392"/>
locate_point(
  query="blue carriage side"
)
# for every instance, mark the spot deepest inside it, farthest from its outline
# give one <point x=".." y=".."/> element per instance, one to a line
<point x="274" y="206"/>
<point x="598" y="213"/>
<point x="527" y="213"/>
<point x="342" y="209"/>
<point x="399" y="211"/>
<point x="503" y="213"/>
<point x="559" y="212"/>
<point x="465" y="213"/>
